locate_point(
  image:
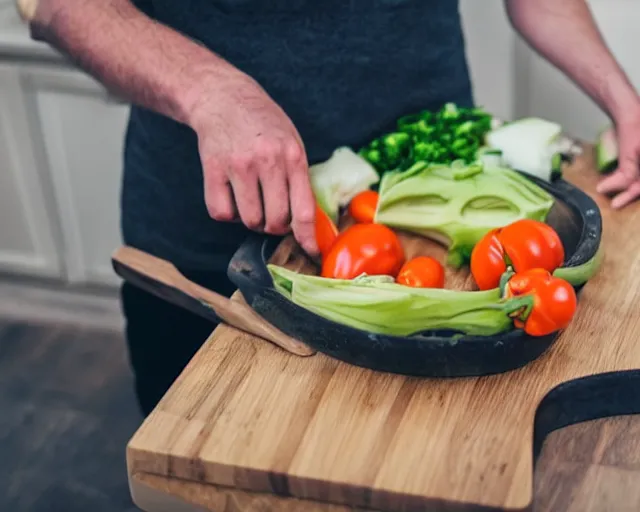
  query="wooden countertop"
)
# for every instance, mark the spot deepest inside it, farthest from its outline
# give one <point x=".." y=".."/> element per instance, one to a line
<point x="249" y="427"/>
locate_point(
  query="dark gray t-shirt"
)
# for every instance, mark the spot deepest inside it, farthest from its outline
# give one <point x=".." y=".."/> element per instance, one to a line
<point x="343" y="70"/>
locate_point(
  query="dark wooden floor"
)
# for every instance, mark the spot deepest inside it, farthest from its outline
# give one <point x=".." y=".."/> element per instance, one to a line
<point x="67" y="411"/>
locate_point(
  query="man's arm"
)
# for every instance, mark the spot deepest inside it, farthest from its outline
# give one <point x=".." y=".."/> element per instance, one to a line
<point x="565" y="33"/>
<point x="147" y="63"/>
<point x="254" y="162"/>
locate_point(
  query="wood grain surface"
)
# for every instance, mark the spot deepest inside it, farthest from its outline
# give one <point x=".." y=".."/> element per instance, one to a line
<point x="244" y="414"/>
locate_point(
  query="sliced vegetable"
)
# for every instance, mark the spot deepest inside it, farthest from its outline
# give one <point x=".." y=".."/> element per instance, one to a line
<point x="378" y="305"/>
<point x="422" y="272"/>
<point x="451" y="133"/>
<point x="362" y="207"/>
<point x="458" y="204"/>
<point x="529" y="145"/>
<point x="607" y="150"/>
<point x="580" y="274"/>
<point x="336" y="181"/>
<point x="523" y="245"/>
<point x="553" y="301"/>
<point x="370" y="249"/>
<point x="326" y="231"/>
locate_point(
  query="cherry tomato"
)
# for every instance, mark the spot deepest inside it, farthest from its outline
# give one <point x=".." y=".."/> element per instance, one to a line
<point x="422" y="272"/>
<point x="326" y="231"/>
<point x="371" y="249"/>
<point x="524" y="244"/>
<point x="362" y="207"/>
<point x="554" y="301"/>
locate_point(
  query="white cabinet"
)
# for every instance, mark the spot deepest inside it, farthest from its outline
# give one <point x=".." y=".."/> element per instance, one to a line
<point x="29" y="238"/>
<point x="81" y="133"/>
<point x="61" y="141"/>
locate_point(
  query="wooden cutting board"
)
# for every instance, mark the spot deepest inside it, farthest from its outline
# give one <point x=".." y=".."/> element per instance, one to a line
<point x="246" y="417"/>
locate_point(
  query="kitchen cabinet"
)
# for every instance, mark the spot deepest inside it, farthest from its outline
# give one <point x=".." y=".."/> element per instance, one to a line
<point x="80" y="130"/>
<point x="29" y="234"/>
<point x="61" y="138"/>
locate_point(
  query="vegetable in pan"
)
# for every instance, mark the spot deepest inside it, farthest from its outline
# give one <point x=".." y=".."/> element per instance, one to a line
<point x="422" y="272"/>
<point x="326" y="231"/>
<point x="458" y="204"/>
<point x="452" y="133"/>
<point x="523" y="245"/>
<point x="372" y="249"/>
<point x="377" y="304"/>
<point x="337" y="180"/>
<point x="553" y="301"/>
<point x="362" y="207"/>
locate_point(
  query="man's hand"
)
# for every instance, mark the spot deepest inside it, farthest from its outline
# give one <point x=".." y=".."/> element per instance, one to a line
<point x="624" y="182"/>
<point x="254" y="162"/>
<point x="255" y="166"/>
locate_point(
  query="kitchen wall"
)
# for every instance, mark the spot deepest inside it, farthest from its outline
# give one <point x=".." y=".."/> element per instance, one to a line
<point x="61" y="134"/>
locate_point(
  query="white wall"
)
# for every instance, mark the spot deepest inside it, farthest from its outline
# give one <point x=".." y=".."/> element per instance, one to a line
<point x="512" y="81"/>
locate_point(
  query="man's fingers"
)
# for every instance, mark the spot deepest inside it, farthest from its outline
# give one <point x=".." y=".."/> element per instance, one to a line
<point x="618" y="180"/>
<point x="303" y="212"/>
<point x="275" y="197"/>
<point x="246" y="190"/>
<point x="218" y="195"/>
<point x="624" y="198"/>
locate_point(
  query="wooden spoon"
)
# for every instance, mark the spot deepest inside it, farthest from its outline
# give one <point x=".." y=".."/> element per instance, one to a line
<point x="164" y="280"/>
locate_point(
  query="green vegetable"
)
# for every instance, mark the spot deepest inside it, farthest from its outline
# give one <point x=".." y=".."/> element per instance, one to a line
<point x="458" y="204"/>
<point x="377" y="304"/>
<point x="452" y="133"/>
<point x="337" y="180"/>
<point x="607" y="150"/>
<point x="582" y="273"/>
<point x="530" y="145"/>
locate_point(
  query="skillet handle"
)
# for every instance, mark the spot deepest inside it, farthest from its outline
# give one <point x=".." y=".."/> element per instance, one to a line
<point x="248" y="266"/>
<point x="163" y="279"/>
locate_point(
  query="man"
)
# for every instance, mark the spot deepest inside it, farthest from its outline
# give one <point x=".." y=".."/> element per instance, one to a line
<point x="234" y="99"/>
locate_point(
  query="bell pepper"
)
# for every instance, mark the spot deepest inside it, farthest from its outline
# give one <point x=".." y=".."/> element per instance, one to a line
<point x="326" y="231"/>
<point x="362" y="207"/>
<point x="553" y="301"/>
<point x="370" y="249"/>
<point x="523" y="245"/>
<point x="422" y="272"/>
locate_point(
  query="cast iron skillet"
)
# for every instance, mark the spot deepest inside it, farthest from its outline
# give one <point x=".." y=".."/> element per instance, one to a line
<point x="575" y="216"/>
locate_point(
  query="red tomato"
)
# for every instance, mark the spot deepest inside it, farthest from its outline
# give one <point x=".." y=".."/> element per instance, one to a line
<point x="362" y="207"/>
<point x="371" y="249"/>
<point x="326" y="231"/>
<point x="524" y="244"/>
<point x="422" y="272"/>
<point x="554" y="301"/>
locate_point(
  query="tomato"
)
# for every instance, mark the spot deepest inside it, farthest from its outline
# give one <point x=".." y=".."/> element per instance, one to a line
<point x="362" y="207"/>
<point x="554" y="301"/>
<point x="422" y="272"/>
<point x="372" y="249"/>
<point x="326" y="231"/>
<point x="523" y="245"/>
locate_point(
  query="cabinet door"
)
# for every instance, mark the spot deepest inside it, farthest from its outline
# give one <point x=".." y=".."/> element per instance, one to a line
<point x="28" y="231"/>
<point x="82" y="133"/>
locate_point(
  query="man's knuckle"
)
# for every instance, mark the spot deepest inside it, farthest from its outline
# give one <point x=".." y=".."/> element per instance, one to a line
<point x="240" y="162"/>
<point x="294" y="152"/>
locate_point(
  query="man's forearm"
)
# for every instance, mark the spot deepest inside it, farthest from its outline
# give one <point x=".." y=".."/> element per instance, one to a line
<point x="564" y="32"/>
<point x="146" y="62"/>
